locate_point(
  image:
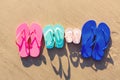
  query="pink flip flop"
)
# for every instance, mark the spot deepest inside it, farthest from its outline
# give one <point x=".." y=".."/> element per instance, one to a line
<point x="36" y="38"/>
<point x="76" y="36"/>
<point x="68" y="35"/>
<point x="22" y="36"/>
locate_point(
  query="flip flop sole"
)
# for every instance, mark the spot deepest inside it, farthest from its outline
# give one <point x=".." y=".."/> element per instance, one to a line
<point x="69" y="35"/>
<point x="36" y="38"/>
<point x="76" y="36"/>
<point x="48" y="36"/>
<point x="22" y="34"/>
<point x="88" y="31"/>
<point x="59" y="36"/>
<point x="101" y="42"/>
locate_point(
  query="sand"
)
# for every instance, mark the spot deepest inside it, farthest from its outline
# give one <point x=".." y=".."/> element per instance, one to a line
<point x="58" y="64"/>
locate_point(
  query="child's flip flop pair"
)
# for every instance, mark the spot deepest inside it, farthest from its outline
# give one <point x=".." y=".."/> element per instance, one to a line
<point x="94" y="40"/>
<point x="28" y="39"/>
<point x="73" y="35"/>
<point x="54" y="35"/>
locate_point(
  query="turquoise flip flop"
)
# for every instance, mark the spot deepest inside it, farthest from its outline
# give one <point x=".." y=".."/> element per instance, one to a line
<point x="101" y="42"/>
<point x="49" y="36"/>
<point x="59" y="35"/>
<point x="88" y="34"/>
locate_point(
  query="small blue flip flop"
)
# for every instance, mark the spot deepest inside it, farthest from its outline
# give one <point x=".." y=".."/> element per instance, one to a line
<point x="101" y="42"/>
<point x="88" y="34"/>
<point x="49" y="36"/>
<point x="59" y="35"/>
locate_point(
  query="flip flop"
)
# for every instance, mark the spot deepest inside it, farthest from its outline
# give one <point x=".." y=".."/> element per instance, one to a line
<point x="48" y="36"/>
<point x="59" y="36"/>
<point x="22" y="36"/>
<point x="106" y="32"/>
<point x="69" y="35"/>
<point x="76" y="36"/>
<point x="101" y="42"/>
<point x="36" y="38"/>
<point x="88" y="34"/>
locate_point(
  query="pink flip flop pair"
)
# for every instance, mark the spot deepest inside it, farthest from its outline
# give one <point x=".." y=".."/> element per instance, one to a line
<point x="28" y="39"/>
<point x="73" y="35"/>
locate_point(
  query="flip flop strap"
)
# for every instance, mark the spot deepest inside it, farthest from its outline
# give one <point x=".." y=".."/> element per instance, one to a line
<point x="88" y="41"/>
<point x="45" y="34"/>
<point x="75" y="36"/>
<point x="20" y="46"/>
<point x="18" y="35"/>
<point x="58" y="37"/>
<point x="36" y="38"/>
<point x="23" y="39"/>
<point x="107" y="43"/>
<point x="105" y="34"/>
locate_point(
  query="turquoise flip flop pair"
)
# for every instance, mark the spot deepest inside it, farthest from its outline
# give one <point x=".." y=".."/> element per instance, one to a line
<point x="54" y="36"/>
<point x="95" y="40"/>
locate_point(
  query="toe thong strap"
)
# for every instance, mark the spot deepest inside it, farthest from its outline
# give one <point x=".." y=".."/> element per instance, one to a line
<point x="21" y="35"/>
<point x="36" y="39"/>
<point x="46" y="34"/>
<point x="59" y="38"/>
<point x="106" y="39"/>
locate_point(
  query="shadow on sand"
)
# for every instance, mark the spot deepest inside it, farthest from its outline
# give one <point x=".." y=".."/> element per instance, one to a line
<point x="95" y="65"/>
<point x="60" y="70"/>
<point x="27" y="62"/>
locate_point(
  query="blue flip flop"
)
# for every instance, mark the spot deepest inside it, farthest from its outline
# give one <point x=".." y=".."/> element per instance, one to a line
<point x="101" y="42"/>
<point x="59" y="35"/>
<point x="88" y="34"/>
<point x="49" y="36"/>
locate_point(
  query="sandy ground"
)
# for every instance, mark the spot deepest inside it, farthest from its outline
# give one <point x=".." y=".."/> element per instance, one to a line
<point x="58" y="64"/>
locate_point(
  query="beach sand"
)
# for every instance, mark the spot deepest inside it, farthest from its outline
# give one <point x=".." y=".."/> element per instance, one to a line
<point x="58" y="64"/>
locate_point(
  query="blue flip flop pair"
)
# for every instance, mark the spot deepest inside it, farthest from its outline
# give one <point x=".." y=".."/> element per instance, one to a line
<point x="94" y="40"/>
<point x="54" y="36"/>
